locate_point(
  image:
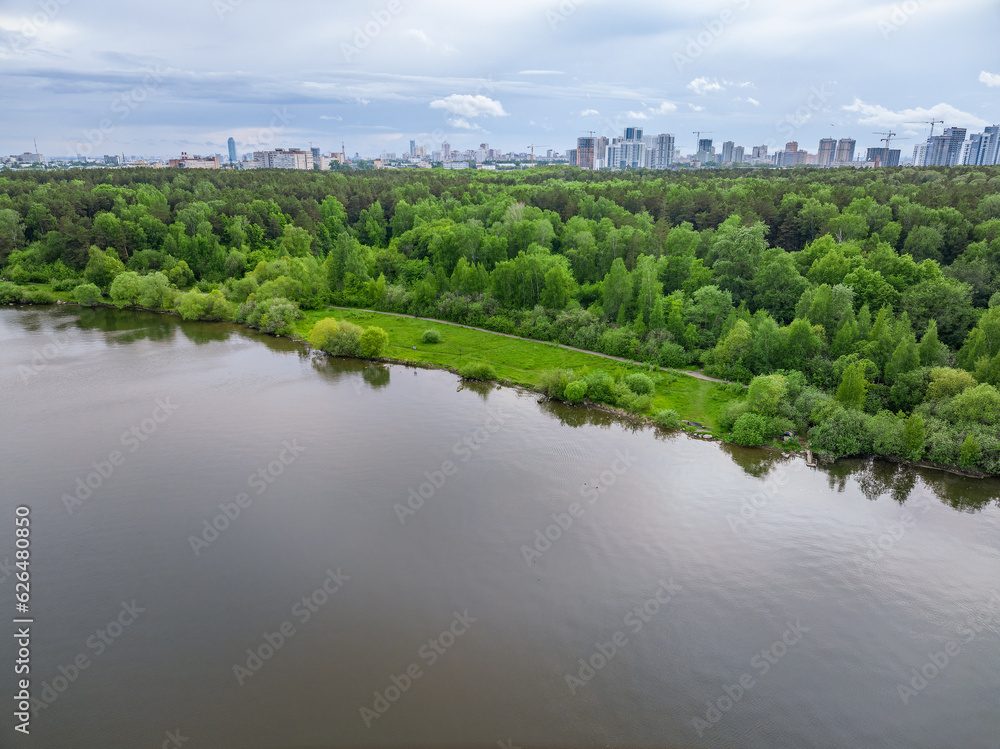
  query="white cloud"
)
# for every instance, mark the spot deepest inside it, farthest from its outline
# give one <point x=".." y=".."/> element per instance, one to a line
<point x="990" y="79"/>
<point x="876" y="114"/>
<point x="466" y="105"/>
<point x="588" y="112"/>
<point x="703" y="85"/>
<point x="464" y="124"/>
<point x="420" y="35"/>
<point x="748" y="100"/>
<point x="696" y="108"/>
<point x="635" y="115"/>
<point x="541" y="72"/>
<point x="664" y="108"/>
<point x="331" y="117"/>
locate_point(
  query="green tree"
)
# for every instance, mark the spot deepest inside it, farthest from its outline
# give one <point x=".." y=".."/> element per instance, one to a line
<point x="913" y="437"/>
<point x="766" y="394"/>
<point x="87" y="294"/>
<point x="125" y="289"/>
<point x="853" y="386"/>
<point x="102" y="267"/>
<point x="373" y="342"/>
<point x="930" y="346"/>
<point x="970" y="452"/>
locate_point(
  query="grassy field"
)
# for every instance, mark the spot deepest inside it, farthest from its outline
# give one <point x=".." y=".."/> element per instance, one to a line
<point x="521" y="361"/>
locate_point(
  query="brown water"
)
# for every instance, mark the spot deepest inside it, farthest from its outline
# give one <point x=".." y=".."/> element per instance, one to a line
<point x="722" y="597"/>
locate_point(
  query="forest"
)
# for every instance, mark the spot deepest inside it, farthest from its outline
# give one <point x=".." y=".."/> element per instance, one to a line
<point x="861" y="307"/>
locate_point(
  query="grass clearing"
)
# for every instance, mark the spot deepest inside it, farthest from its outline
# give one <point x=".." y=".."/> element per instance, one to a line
<point x="522" y="361"/>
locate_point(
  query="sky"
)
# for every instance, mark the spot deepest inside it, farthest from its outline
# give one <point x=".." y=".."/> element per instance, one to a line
<point x="101" y="76"/>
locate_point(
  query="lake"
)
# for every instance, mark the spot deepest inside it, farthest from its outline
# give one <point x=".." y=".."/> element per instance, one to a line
<point x="242" y="544"/>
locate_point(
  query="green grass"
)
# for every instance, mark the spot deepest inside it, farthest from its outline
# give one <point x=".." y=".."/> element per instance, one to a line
<point x="520" y="361"/>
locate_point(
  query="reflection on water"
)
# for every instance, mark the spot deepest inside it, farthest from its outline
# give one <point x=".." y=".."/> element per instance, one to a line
<point x="609" y="508"/>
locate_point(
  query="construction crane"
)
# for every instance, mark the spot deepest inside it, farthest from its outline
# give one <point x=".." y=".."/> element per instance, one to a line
<point x="697" y="134"/>
<point x="932" y="123"/>
<point x="888" y="141"/>
<point x="533" y="146"/>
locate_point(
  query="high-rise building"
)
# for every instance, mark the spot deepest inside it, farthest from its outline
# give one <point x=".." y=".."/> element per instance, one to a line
<point x="585" y="152"/>
<point x="920" y="152"/>
<point x="739" y="155"/>
<point x="413" y="148"/>
<point x="883" y="156"/>
<point x="758" y="153"/>
<point x="571" y="157"/>
<point x="446" y="151"/>
<point x="284" y="158"/>
<point x="827" y="151"/>
<point x="993" y="148"/>
<point x="845" y="151"/>
<point x="232" y="151"/>
<point x="727" y="152"/>
<point x="627" y="152"/>
<point x="661" y="152"/>
<point x="957" y="135"/>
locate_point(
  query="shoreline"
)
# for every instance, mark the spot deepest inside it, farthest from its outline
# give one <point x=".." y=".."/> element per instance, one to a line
<point x="639" y="419"/>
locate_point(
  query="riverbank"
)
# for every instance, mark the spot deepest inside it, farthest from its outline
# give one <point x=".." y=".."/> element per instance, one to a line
<point x="522" y="362"/>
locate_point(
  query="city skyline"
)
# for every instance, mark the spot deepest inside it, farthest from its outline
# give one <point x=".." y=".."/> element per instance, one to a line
<point x="87" y="79"/>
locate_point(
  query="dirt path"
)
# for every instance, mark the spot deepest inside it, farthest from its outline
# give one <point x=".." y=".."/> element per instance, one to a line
<point x="697" y="374"/>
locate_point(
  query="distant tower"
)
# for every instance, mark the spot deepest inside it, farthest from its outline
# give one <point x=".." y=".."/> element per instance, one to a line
<point x="232" y="150"/>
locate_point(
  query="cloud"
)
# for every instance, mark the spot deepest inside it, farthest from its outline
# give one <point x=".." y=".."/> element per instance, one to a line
<point x="421" y="36"/>
<point x="990" y="79"/>
<point x="462" y="123"/>
<point x="331" y="117"/>
<point x="466" y="105"/>
<point x="703" y="85"/>
<point x="588" y="112"/>
<point x="876" y="114"/>
<point x="696" y="108"/>
<point x="748" y="100"/>
<point x="541" y="72"/>
<point x="630" y="115"/>
<point x="664" y="108"/>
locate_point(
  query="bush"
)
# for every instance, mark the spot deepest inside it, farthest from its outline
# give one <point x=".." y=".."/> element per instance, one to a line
<point x="672" y="355"/>
<point x="554" y="381"/>
<point x="600" y="386"/>
<point x="10" y="293"/>
<point x="278" y="316"/>
<point x="337" y="338"/>
<point x="321" y="335"/>
<point x="668" y="418"/>
<point x="750" y="430"/>
<point x="197" y="306"/>
<point x="478" y="371"/>
<point x="576" y="391"/>
<point x="67" y="284"/>
<point x="38" y="296"/>
<point x="87" y="294"/>
<point x="373" y="342"/>
<point x="431" y="336"/>
<point x="639" y="384"/>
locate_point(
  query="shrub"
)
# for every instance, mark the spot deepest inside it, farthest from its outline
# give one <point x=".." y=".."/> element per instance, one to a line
<point x="431" y="336"/>
<point x="38" y="296"/>
<point x="668" y="418"/>
<point x="478" y="371"/>
<point x="197" y="306"/>
<point x="10" y="293"/>
<point x="576" y="391"/>
<point x="373" y="342"/>
<point x="67" y="284"/>
<point x="86" y="294"/>
<point x="600" y="386"/>
<point x="337" y="338"/>
<point x="672" y="355"/>
<point x="554" y="381"/>
<point x="322" y="332"/>
<point x="750" y="430"/>
<point x="500" y="324"/>
<point x="639" y="384"/>
<point x="278" y="316"/>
